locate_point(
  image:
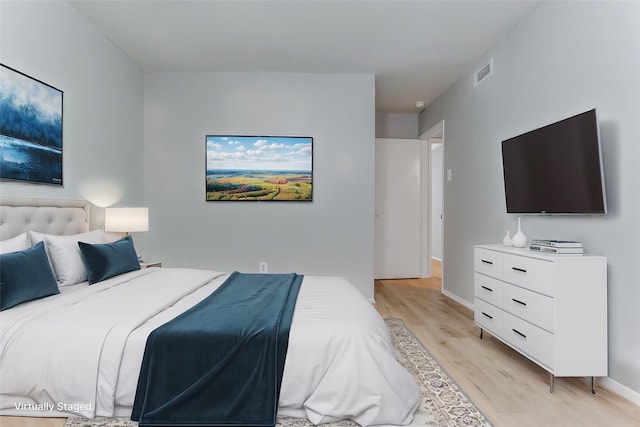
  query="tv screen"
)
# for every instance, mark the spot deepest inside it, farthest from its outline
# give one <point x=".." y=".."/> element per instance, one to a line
<point x="556" y="169"/>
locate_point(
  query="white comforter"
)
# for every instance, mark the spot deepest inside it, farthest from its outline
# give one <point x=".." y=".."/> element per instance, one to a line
<point x="79" y="353"/>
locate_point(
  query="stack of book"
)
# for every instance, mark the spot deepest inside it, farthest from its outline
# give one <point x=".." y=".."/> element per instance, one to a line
<point x="556" y="246"/>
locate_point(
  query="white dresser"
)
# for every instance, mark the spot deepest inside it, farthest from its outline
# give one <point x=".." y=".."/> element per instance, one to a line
<point x="550" y="308"/>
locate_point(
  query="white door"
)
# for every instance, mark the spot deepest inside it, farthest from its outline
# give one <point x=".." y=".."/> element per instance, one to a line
<point x="398" y="209"/>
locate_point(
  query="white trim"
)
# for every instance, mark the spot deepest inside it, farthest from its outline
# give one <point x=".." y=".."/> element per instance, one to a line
<point x="435" y="132"/>
<point x="425" y="207"/>
<point x="620" y="389"/>
<point x="457" y="299"/>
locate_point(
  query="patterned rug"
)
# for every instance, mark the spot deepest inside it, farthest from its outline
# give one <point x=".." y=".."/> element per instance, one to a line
<point x="443" y="403"/>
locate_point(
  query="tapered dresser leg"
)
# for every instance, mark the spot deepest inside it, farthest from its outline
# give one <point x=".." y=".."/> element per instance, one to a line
<point x="593" y="385"/>
<point x="551" y="382"/>
<point x="480" y="333"/>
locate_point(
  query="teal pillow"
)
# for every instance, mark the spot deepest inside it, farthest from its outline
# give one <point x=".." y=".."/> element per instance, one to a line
<point x="24" y="276"/>
<point x="109" y="259"/>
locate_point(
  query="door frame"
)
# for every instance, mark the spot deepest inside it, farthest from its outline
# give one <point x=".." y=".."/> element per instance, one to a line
<point x="434" y="134"/>
<point x="425" y="208"/>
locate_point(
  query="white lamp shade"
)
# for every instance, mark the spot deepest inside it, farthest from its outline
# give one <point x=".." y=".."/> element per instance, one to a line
<point x="126" y="220"/>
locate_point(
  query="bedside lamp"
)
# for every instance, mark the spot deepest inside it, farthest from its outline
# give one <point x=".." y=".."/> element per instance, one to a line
<point x="126" y="220"/>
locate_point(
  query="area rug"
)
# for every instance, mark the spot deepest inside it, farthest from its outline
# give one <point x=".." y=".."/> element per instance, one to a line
<point x="442" y="401"/>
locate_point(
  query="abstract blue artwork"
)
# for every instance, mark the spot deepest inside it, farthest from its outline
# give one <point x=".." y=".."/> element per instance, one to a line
<point x="30" y="129"/>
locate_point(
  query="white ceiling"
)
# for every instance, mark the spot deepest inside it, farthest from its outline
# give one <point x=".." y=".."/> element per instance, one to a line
<point x="416" y="49"/>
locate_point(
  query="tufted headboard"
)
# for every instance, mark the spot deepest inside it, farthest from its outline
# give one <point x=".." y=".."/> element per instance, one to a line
<point x="50" y="216"/>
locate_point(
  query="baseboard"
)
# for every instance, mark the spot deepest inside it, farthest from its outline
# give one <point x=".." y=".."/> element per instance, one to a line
<point x="620" y="389"/>
<point x="457" y="299"/>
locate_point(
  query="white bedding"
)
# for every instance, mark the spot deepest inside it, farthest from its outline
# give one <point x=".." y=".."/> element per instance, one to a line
<point x="79" y="353"/>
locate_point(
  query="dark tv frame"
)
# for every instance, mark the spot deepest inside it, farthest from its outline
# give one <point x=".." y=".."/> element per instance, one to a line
<point x="257" y="171"/>
<point x="542" y="132"/>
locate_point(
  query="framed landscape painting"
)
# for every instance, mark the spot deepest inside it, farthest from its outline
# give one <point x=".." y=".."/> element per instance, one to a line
<point x="259" y="168"/>
<point x="30" y="129"/>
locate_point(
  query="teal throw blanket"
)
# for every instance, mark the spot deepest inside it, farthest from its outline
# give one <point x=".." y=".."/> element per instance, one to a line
<point x="221" y="362"/>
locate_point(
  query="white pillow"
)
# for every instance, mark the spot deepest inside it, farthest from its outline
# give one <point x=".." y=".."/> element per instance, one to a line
<point x="36" y="238"/>
<point x="15" y="244"/>
<point x="64" y="254"/>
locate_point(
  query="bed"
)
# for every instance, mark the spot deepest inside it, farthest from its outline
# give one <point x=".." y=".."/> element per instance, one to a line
<point x="79" y="352"/>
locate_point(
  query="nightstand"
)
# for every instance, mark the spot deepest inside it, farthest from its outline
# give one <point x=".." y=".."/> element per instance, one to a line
<point x="150" y="264"/>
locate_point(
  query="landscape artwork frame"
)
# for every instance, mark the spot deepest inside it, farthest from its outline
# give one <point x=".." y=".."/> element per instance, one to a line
<point x="30" y="129"/>
<point x="246" y="168"/>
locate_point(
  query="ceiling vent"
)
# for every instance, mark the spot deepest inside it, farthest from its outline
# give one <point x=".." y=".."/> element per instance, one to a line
<point x="483" y="72"/>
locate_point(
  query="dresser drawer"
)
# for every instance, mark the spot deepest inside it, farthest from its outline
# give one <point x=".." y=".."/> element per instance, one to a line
<point x="530" y="306"/>
<point x="530" y="273"/>
<point x="488" y="316"/>
<point x="488" y="262"/>
<point x="530" y="339"/>
<point x="488" y="289"/>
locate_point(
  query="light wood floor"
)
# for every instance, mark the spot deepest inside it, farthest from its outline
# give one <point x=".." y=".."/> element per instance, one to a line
<point x="434" y="282"/>
<point x="508" y="388"/>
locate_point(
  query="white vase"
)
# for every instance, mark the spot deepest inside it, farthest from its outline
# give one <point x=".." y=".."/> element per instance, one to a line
<point x="507" y="239"/>
<point x="519" y="239"/>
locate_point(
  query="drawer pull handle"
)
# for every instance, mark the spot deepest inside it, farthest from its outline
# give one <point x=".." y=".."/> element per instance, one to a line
<point x="486" y="289"/>
<point x="519" y="333"/>
<point x="522" y="270"/>
<point x="518" y="301"/>
<point x="486" y="315"/>
<point x="487" y="262"/>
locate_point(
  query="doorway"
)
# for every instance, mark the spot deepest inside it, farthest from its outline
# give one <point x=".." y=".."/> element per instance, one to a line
<point x="409" y="212"/>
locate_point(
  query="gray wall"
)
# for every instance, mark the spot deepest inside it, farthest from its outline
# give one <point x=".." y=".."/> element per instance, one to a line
<point x="565" y="58"/>
<point x="112" y="136"/>
<point x="333" y="235"/>
<point x="397" y="126"/>
<point x="103" y="104"/>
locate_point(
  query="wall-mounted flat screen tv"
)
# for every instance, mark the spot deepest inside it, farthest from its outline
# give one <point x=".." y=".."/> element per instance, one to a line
<point x="556" y="169"/>
<point x="259" y="168"/>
